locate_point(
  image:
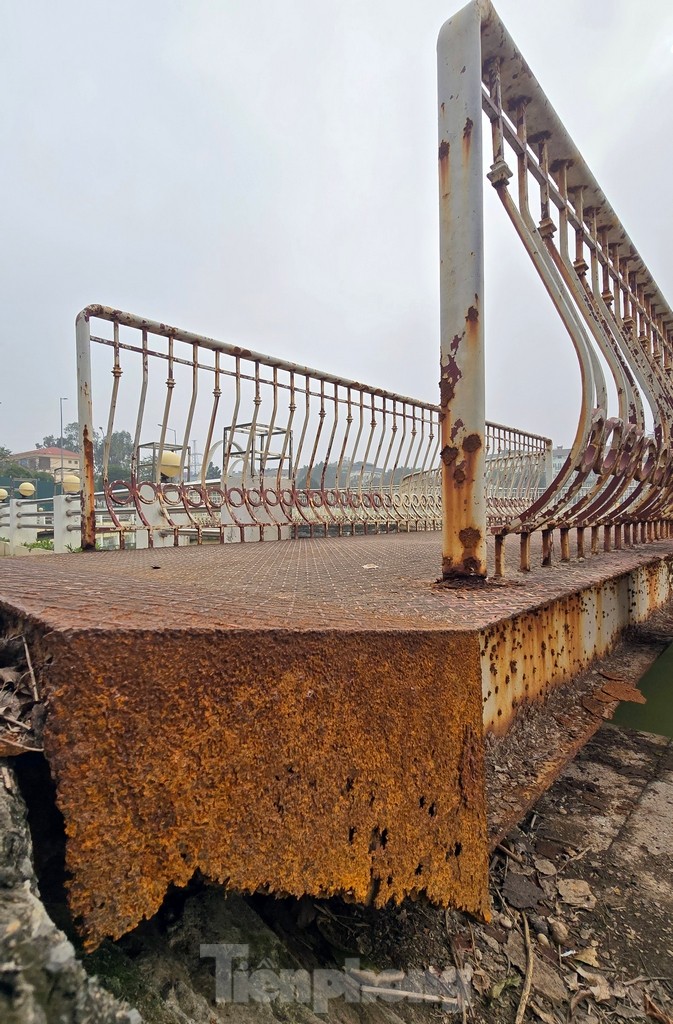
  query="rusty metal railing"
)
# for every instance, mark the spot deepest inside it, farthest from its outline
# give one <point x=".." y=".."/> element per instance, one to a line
<point x="298" y="452"/>
<point x="617" y="476"/>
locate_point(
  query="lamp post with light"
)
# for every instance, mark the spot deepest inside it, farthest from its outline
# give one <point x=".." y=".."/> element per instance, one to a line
<point x="60" y="402"/>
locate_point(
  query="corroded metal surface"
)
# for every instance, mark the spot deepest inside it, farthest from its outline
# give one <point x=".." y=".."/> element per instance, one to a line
<point x="289" y="450"/>
<point x="298" y="717"/>
<point x="291" y="763"/>
<point x="462" y="390"/>
<point x="618" y="473"/>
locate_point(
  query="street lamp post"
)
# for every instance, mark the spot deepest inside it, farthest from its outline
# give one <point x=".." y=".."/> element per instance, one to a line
<point x="60" y="402"/>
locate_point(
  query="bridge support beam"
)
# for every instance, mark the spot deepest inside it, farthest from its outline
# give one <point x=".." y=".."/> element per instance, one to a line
<point x="462" y="391"/>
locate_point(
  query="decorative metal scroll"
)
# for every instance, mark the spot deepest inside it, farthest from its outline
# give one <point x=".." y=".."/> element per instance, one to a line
<point x="298" y="452"/>
<point x="617" y="472"/>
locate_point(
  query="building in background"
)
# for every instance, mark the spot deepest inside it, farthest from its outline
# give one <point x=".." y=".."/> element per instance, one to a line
<point x="55" y="461"/>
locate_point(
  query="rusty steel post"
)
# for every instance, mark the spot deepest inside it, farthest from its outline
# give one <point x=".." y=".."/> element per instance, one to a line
<point x="462" y="383"/>
<point x="580" y="543"/>
<point x="499" y="555"/>
<point x="524" y="564"/>
<point x="86" y="430"/>
<point x="607" y="538"/>
<point x="565" y="543"/>
<point x="547" y="546"/>
<point x="595" y="539"/>
<point x="618" y="536"/>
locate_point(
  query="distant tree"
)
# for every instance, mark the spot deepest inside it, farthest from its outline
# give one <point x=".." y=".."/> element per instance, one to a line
<point x="119" y="458"/>
<point x="213" y="472"/>
<point x="69" y="440"/>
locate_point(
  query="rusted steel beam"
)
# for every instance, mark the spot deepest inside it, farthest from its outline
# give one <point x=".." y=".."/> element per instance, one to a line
<point x="324" y="763"/>
<point x="462" y="397"/>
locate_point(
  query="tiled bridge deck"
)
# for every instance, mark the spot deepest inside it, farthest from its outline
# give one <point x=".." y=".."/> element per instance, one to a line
<point x="380" y="582"/>
<point x="299" y="716"/>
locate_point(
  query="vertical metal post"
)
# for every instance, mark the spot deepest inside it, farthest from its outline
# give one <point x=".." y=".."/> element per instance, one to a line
<point x="86" y="430"/>
<point x="499" y="555"/>
<point x="595" y="539"/>
<point x="565" y="543"/>
<point x="462" y="388"/>
<point x="547" y="546"/>
<point x="580" y="543"/>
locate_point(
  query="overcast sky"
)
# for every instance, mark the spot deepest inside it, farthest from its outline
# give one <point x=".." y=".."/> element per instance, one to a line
<point x="264" y="171"/>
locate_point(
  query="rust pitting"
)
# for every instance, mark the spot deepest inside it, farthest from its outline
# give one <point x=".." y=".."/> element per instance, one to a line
<point x="285" y="738"/>
<point x="456" y="428"/>
<point x="448" y="455"/>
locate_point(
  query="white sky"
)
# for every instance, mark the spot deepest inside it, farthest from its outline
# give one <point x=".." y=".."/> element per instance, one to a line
<point x="265" y="172"/>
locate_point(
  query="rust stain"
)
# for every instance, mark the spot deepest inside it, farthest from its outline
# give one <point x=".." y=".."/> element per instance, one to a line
<point x="88" y="517"/>
<point x="470" y="537"/>
<point x="444" y="177"/>
<point x="472" y="443"/>
<point x="456" y="428"/>
<point x="301" y="763"/>
<point x="467" y="139"/>
<point x="450" y="375"/>
<point x="448" y="455"/>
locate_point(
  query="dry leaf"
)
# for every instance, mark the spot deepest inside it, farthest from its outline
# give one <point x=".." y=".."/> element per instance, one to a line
<point x="583" y="993"/>
<point x="546" y="979"/>
<point x="598" y="985"/>
<point x="576" y="893"/>
<point x="653" y="1011"/>
<point x="544" y="866"/>
<point x="521" y="892"/>
<point x="511" y="981"/>
<point x="611" y="675"/>
<point x="587" y="956"/>
<point x="548" y="1018"/>
<point x="481" y="982"/>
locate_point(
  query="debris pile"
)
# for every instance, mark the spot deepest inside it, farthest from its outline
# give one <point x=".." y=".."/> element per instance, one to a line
<point x="22" y="713"/>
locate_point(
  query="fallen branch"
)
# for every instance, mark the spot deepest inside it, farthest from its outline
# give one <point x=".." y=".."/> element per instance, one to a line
<point x="528" y="980"/>
<point x="33" y="680"/>
<point x="510" y="853"/>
